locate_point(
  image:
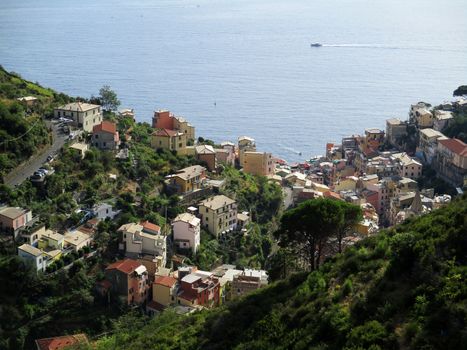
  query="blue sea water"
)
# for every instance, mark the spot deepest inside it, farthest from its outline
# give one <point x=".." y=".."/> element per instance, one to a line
<point x="245" y="67"/>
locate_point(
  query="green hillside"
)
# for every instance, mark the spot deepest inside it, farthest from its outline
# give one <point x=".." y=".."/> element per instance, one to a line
<point x="405" y="288"/>
<point x="22" y="129"/>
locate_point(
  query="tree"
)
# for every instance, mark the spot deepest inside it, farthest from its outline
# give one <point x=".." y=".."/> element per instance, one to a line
<point x="308" y="227"/>
<point x="108" y="98"/>
<point x="460" y="91"/>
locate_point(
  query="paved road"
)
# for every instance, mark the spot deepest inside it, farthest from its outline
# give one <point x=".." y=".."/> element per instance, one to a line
<point x="25" y="170"/>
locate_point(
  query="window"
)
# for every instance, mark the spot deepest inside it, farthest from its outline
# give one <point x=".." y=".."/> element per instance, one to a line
<point x="96" y="136"/>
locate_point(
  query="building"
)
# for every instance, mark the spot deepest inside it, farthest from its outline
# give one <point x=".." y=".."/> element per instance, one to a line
<point x="33" y="256"/>
<point x="84" y="115"/>
<point x="207" y="154"/>
<point x="103" y="211"/>
<point x="428" y="144"/>
<point x="168" y="139"/>
<point x="226" y="154"/>
<point x="127" y="113"/>
<point x="51" y="243"/>
<point x="12" y="219"/>
<point x="163" y="119"/>
<point x="451" y="161"/>
<point x="28" y="101"/>
<point x="258" y="163"/>
<point x="407" y="166"/>
<point x="105" y="136"/>
<point x="218" y="214"/>
<point x="248" y="281"/>
<point x="245" y="144"/>
<point x="128" y="280"/>
<point x="143" y="239"/>
<point x="374" y="138"/>
<point x="421" y="116"/>
<point x="81" y="147"/>
<point x="199" y="288"/>
<point x="187" y="179"/>
<point x="396" y="132"/>
<point x="187" y="231"/>
<point x="63" y="342"/>
<point x="164" y="293"/>
<point x="442" y="119"/>
<point x="76" y="240"/>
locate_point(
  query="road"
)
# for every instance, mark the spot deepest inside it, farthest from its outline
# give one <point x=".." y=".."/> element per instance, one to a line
<point x="25" y="170"/>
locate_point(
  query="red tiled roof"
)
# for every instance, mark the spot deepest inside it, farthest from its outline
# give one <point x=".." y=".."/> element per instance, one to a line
<point x="455" y="145"/>
<point x="105" y="126"/>
<point x="155" y="306"/>
<point x="165" y="132"/>
<point x="150" y="226"/>
<point x="126" y="266"/>
<point x="57" y="343"/>
<point x="330" y="194"/>
<point x="167" y="281"/>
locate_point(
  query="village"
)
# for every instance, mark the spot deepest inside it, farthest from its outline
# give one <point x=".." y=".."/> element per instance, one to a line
<point x="380" y="171"/>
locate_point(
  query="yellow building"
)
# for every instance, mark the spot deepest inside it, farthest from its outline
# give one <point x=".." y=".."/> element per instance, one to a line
<point x="51" y="240"/>
<point x="171" y="140"/>
<point x="245" y="144"/>
<point x="187" y="179"/>
<point x="164" y="291"/>
<point x="77" y="240"/>
<point x="258" y="163"/>
<point x="182" y="125"/>
<point x="218" y="214"/>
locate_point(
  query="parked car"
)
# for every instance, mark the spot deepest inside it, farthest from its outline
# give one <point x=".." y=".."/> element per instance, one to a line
<point x="50" y="158"/>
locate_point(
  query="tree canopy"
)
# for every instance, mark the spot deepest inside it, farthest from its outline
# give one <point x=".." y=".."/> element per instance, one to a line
<point x="108" y="98"/>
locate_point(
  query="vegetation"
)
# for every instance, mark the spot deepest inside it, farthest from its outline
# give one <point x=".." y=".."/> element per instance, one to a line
<point x="460" y="91"/>
<point x="108" y="98"/>
<point x="403" y="288"/>
<point x="22" y="128"/>
<point x="458" y="128"/>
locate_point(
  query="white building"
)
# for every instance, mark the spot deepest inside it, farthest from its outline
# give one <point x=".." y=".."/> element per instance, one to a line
<point x="84" y="115"/>
<point x="187" y="231"/>
<point x="33" y="255"/>
<point x="144" y="239"/>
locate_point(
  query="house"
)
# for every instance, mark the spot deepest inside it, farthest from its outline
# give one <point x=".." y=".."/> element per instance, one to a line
<point x="199" y="288"/>
<point x="245" y="144"/>
<point x="105" y="136"/>
<point x="258" y="163"/>
<point x="127" y="113"/>
<point x="103" y="211"/>
<point x="28" y="101"/>
<point x="76" y="240"/>
<point x="58" y="343"/>
<point x="296" y="179"/>
<point x="34" y="256"/>
<point x="451" y="161"/>
<point x="218" y="214"/>
<point x="12" y="219"/>
<point x="168" y="139"/>
<point x="428" y="144"/>
<point x="207" y="154"/>
<point x="407" y="166"/>
<point x="374" y="138"/>
<point x="163" y="119"/>
<point x="442" y="119"/>
<point x="421" y="116"/>
<point x="396" y="131"/>
<point x="32" y="235"/>
<point x="84" y="115"/>
<point x="248" y="281"/>
<point x="164" y="293"/>
<point x="225" y="273"/>
<point x="226" y="154"/>
<point x="51" y="243"/>
<point x="187" y="179"/>
<point x="128" y="280"/>
<point x="243" y="220"/>
<point x="143" y="239"/>
<point x="187" y="231"/>
<point x="81" y="147"/>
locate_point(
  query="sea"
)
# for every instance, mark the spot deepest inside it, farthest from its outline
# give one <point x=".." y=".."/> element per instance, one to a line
<point x="246" y="67"/>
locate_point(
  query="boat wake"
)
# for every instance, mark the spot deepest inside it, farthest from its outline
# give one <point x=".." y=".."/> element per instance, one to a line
<point x="387" y="47"/>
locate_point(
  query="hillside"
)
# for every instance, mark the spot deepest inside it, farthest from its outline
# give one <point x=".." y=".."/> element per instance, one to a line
<point x="23" y="130"/>
<point x="404" y="288"/>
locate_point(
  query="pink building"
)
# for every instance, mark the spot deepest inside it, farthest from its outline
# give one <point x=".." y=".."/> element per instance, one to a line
<point x="199" y="288"/>
<point x="163" y="120"/>
<point x="13" y="218"/>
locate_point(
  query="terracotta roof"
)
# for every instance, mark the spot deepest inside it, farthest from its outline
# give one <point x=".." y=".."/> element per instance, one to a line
<point x="167" y="281"/>
<point x="126" y="266"/>
<point x="65" y="341"/>
<point x="455" y="145"/>
<point x="330" y="194"/>
<point x="165" y="132"/>
<point x="150" y="226"/>
<point x="155" y="306"/>
<point x="105" y="126"/>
